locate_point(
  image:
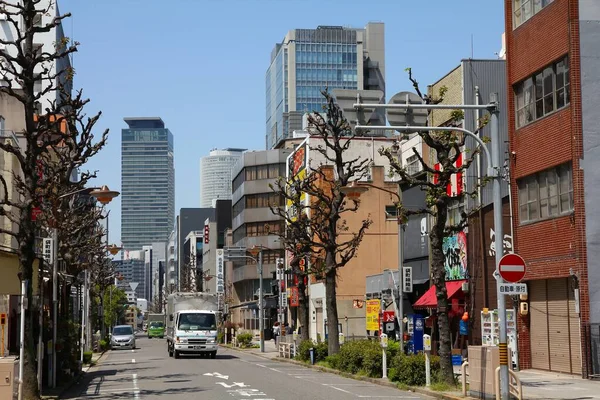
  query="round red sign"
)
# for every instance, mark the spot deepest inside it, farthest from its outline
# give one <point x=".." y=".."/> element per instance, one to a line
<point x="512" y="268"/>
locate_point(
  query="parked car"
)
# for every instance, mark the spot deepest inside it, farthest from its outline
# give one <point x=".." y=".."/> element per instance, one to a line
<point x="122" y="337"/>
<point x="156" y="329"/>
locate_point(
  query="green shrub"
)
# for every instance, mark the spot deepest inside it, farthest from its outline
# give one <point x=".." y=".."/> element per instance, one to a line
<point x="104" y="344"/>
<point x="303" y="352"/>
<point x="244" y="339"/>
<point x="320" y="349"/>
<point x="87" y="357"/>
<point x="220" y="337"/>
<point x="410" y="369"/>
<point x="359" y="356"/>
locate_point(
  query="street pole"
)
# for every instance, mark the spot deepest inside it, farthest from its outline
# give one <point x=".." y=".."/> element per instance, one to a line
<point x="22" y="337"/>
<point x="261" y="310"/>
<point x="499" y="239"/>
<point x="41" y="322"/>
<point x="54" y="304"/>
<point x="83" y="306"/>
<point x="400" y="315"/>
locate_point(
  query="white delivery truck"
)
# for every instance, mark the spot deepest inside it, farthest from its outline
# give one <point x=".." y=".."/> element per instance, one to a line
<point x="192" y="324"/>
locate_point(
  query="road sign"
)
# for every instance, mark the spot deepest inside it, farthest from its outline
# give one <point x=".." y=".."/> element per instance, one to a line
<point x="512" y="268"/>
<point x="512" y="288"/>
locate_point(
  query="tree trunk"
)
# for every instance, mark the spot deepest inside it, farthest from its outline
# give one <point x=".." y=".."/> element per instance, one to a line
<point x="438" y="274"/>
<point x="333" y="339"/>
<point x="303" y="314"/>
<point x="27" y="256"/>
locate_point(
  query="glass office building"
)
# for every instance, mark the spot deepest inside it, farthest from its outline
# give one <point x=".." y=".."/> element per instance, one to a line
<point x="147" y="183"/>
<point x="310" y="60"/>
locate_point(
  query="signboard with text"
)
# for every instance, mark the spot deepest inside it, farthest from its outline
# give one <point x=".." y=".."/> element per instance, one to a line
<point x="407" y="281"/>
<point x="48" y="250"/>
<point x="373" y="309"/>
<point x="220" y="271"/>
<point x="512" y="288"/>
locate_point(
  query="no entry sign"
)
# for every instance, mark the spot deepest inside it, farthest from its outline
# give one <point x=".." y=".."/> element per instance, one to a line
<point x="512" y="268"/>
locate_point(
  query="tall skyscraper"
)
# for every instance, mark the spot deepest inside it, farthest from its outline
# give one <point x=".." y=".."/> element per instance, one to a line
<point x="309" y="60"/>
<point x="215" y="175"/>
<point x="147" y="183"/>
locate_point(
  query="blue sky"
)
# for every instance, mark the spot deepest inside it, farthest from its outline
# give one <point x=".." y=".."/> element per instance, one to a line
<point x="200" y="64"/>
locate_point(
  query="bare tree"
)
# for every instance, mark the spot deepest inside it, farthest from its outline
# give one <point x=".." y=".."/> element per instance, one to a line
<point x="448" y="146"/>
<point x="61" y="133"/>
<point x="316" y="228"/>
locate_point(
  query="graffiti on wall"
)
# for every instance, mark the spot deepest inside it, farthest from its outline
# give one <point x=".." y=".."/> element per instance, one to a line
<point x="455" y="252"/>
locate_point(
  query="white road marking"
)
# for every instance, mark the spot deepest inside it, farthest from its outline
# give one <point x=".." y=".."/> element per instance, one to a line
<point x="248" y="392"/>
<point x="337" y="388"/>
<point x="133" y="360"/>
<point x="238" y="384"/>
<point x="217" y="375"/>
<point x="136" y="389"/>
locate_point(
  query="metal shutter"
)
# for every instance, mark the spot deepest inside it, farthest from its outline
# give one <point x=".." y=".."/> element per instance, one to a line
<point x="575" y="335"/>
<point x="558" y="325"/>
<point x="538" y="325"/>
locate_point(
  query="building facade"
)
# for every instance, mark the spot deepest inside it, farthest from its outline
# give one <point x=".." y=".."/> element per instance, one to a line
<point x="147" y="183"/>
<point x="254" y="224"/>
<point x="188" y="220"/>
<point x="552" y="73"/>
<point x="215" y="175"/>
<point x="309" y="60"/>
<point x="43" y="42"/>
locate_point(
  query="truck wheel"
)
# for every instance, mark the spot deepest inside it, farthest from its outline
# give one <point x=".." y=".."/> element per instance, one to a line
<point x="213" y="354"/>
<point x="176" y="354"/>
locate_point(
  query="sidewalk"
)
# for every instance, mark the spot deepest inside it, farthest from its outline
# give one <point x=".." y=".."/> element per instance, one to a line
<point x="552" y="385"/>
<point x="50" y="394"/>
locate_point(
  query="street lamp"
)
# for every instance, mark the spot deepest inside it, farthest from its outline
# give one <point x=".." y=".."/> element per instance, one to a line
<point x="408" y="113"/>
<point x="104" y="195"/>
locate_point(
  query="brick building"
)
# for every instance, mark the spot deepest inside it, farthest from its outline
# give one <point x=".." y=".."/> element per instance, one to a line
<point x="552" y="75"/>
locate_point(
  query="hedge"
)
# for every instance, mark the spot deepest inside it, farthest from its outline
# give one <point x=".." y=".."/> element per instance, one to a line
<point x="410" y="369"/>
<point x="303" y="353"/>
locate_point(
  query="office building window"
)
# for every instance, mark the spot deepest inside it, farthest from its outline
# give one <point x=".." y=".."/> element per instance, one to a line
<point x="539" y="95"/>
<point x="523" y="10"/>
<point x="546" y="194"/>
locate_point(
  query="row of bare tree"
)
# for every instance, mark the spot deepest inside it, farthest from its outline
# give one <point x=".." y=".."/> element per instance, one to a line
<point x="318" y="233"/>
<point x="56" y="142"/>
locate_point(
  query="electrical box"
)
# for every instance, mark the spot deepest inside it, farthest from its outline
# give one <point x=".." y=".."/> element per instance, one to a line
<point x="9" y="375"/>
<point x="426" y="342"/>
<point x="524" y="308"/>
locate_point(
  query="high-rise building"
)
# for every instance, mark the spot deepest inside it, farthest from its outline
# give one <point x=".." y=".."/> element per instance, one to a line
<point x="310" y="60"/>
<point x="553" y="71"/>
<point x="215" y="175"/>
<point x="147" y="183"/>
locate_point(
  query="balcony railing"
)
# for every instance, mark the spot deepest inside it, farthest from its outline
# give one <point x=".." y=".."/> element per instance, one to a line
<point x="8" y="134"/>
<point x="414" y="168"/>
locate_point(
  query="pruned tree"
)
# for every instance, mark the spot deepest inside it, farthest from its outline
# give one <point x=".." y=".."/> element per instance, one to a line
<point x="318" y="224"/>
<point x="190" y="276"/>
<point x="448" y="146"/>
<point x="57" y="136"/>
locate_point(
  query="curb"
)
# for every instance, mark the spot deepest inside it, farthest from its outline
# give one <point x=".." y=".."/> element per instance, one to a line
<point x="75" y="380"/>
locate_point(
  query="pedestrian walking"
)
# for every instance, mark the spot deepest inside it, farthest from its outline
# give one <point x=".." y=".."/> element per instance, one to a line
<point x="276" y="331"/>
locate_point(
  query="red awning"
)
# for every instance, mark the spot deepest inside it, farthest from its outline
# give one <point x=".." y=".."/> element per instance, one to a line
<point x="429" y="299"/>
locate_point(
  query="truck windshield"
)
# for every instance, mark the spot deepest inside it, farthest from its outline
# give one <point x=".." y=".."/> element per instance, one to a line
<point x="156" y="324"/>
<point x="197" y="322"/>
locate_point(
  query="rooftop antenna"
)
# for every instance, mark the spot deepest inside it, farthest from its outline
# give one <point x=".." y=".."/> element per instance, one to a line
<point x="471" y="46"/>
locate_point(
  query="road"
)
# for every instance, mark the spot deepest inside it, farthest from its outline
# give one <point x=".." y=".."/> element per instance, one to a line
<point x="149" y="373"/>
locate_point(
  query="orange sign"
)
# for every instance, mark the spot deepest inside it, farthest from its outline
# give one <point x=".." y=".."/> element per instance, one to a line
<point x="295" y="297"/>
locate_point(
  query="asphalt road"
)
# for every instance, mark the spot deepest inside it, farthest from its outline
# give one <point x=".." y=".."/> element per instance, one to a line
<point x="149" y="373"/>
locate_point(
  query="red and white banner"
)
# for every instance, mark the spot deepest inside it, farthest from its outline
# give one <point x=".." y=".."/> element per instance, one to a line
<point x="455" y="187"/>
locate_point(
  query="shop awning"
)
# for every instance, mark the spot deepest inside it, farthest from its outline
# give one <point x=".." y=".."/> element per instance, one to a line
<point x="429" y="299"/>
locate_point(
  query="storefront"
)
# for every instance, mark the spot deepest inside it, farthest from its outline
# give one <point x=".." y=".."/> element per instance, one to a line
<point x="555" y="339"/>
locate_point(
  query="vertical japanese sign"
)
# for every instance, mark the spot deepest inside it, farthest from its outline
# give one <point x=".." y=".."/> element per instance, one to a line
<point x="296" y="171"/>
<point x="407" y="281"/>
<point x="48" y="250"/>
<point x="220" y="271"/>
<point x="373" y="309"/>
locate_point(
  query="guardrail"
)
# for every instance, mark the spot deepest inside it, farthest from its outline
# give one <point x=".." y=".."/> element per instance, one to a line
<point x="515" y="387"/>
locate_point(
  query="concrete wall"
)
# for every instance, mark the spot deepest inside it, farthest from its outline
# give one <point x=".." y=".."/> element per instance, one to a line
<point x="589" y="25"/>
